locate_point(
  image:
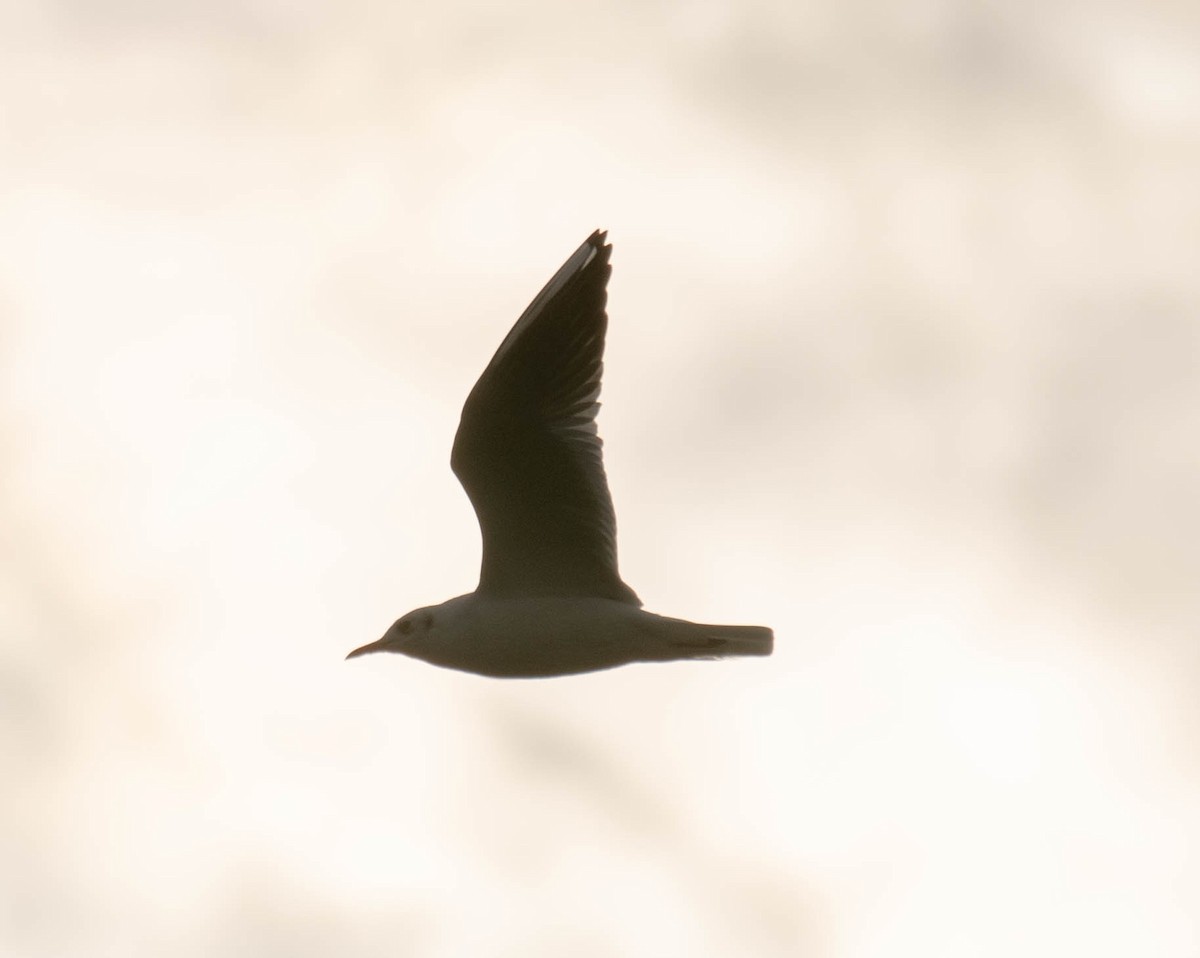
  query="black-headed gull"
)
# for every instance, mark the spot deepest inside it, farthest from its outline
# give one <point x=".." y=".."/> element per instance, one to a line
<point x="549" y="601"/>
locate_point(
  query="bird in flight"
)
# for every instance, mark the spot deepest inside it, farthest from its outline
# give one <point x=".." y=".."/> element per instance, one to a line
<point x="549" y="601"/>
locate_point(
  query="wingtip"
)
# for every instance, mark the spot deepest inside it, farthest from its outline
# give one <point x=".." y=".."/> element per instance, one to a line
<point x="594" y="248"/>
<point x="598" y="248"/>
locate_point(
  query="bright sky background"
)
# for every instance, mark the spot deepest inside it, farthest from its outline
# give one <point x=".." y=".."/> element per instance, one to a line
<point x="904" y="362"/>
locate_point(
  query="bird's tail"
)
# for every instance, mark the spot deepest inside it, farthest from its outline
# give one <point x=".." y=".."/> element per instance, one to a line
<point x="694" y="640"/>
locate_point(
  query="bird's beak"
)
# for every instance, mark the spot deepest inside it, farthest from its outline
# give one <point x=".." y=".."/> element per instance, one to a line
<point x="379" y="645"/>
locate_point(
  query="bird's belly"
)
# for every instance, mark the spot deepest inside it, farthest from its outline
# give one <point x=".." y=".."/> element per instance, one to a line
<point x="546" y="636"/>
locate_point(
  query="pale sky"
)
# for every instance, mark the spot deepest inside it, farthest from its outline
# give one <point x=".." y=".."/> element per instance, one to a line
<point x="903" y="361"/>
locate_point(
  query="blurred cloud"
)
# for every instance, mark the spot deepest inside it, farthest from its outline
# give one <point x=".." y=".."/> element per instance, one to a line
<point x="902" y="362"/>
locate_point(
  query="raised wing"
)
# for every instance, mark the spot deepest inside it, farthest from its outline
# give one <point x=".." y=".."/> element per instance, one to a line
<point x="527" y="450"/>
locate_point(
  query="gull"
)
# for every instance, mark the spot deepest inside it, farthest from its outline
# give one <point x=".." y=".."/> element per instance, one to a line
<point x="549" y="601"/>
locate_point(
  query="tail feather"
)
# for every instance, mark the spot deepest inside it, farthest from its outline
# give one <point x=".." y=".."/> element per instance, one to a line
<point x="694" y="640"/>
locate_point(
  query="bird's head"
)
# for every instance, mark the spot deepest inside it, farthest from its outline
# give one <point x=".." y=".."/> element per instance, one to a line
<point x="405" y="635"/>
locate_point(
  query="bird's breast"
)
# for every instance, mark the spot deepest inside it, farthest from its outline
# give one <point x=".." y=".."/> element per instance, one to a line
<point x="537" y="636"/>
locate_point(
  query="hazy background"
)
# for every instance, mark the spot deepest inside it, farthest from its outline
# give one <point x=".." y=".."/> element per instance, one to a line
<point x="904" y="362"/>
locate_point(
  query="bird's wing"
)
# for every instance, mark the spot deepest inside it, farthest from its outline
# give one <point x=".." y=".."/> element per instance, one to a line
<point x="527" y="450"/>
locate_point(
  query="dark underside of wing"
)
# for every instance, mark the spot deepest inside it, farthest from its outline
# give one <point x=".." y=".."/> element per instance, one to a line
<point x="527" y="451"/>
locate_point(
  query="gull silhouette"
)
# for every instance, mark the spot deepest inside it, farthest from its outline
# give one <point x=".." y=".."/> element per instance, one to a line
<point x="550" y="601"/>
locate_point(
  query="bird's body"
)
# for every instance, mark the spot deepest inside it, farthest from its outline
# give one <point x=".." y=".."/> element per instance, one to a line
<point x="543" y="636"/>
<point x="550" y="600"/>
